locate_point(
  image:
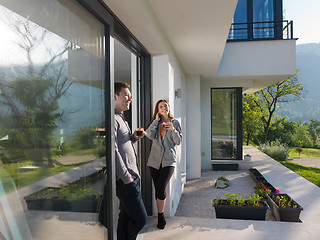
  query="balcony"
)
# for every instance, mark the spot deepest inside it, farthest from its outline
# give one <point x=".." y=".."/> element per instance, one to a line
<point x="269" y="30"/>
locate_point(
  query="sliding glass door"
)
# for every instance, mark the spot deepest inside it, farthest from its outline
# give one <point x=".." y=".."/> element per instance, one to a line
<point x="226" y="143"/>
<point x="52" y="120"/>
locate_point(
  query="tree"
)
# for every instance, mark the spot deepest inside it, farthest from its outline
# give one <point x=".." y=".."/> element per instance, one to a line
<point x="282" y="130"/>
<point x="287" y="90"/>
<point x="302" y="137"/>
<point x="251" y="119"/>
<point x="314" y="130"/>
<point x="29" y="99"/>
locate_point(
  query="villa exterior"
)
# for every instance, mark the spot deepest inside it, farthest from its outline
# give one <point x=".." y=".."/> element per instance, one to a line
<point x="60" y="58"/>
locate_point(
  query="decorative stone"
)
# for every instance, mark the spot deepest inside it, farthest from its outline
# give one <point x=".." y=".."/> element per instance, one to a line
<point x="222" y="182"/>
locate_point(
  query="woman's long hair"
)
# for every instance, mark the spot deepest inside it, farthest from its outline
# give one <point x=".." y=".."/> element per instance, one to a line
<point x="156" y="109"/>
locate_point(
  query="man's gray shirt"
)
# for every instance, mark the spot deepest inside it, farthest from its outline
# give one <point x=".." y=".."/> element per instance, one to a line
<point x="125" y="154"/>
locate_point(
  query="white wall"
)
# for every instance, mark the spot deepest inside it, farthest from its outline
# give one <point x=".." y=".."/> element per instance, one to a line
<point x="206" y="124"/>
<point x="166" y="79"/>
<point x="258" y="58"/>
<point x="193" y="127"/>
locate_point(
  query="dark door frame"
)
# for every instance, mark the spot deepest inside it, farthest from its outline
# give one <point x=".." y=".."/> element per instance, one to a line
<point x="114" y="27"/>
<point x="238" y="120"/>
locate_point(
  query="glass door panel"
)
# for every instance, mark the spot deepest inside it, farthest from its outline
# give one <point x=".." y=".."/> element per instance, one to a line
<point x="263" y="17"/>
<point x="52" y="119"/>
<point x="224" y="127"/>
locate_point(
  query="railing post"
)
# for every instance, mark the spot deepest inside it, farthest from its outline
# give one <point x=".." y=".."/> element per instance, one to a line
<point x="291" y="29"/>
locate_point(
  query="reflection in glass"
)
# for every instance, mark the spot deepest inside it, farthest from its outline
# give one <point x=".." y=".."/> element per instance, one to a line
<point x="239" y="28"/>
<point x="52" y="114"/>
<point x="263" y="16"/>
<point x="224" y="124"/>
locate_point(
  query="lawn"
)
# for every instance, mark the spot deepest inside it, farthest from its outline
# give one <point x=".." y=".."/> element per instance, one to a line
<point x="310" y="173"/>
<point x="306" y="153"/>
<point x="24" y="178"/>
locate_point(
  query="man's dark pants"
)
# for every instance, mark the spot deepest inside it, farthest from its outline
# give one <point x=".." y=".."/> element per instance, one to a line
<point x="133" y="215"/>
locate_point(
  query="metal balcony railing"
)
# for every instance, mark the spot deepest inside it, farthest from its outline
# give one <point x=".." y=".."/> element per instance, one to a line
<point x="261" y="31"/>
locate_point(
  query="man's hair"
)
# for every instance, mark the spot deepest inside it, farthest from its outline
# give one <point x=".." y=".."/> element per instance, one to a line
<point x="118" y="87"/>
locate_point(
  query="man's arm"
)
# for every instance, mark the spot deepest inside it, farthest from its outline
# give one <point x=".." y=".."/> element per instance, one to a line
<point x="121" y="169"/>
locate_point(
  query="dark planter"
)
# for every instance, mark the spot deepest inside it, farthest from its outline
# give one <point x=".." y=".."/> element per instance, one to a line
<point x="57" y="204"/>
<point x="284" y="214"/>
<point x="47" y="199"/>
<point x="256" y="175"/>
<point x="241" y="212"/>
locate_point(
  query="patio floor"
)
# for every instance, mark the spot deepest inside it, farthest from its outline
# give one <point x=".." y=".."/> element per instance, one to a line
<point x="195" y="219"/>
<point x="208" y="227"/>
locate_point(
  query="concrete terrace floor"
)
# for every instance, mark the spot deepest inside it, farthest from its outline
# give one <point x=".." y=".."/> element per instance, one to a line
<point x="301" y="190"/>
<point x="201" y="224"/>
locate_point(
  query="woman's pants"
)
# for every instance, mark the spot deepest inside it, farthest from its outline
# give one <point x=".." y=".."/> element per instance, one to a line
<point x="161" y="179"/>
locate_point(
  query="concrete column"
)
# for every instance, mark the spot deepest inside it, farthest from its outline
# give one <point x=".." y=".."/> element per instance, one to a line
<point x="193" y="127"/>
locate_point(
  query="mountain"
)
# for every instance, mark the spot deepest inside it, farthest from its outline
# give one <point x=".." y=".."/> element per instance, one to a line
<point x="308" y="61"/>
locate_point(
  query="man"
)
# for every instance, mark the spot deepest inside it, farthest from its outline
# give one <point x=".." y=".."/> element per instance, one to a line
<point x="133" y="215"/>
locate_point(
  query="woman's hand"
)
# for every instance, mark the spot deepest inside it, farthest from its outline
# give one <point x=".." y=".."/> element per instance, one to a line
<point x="158" y="117"/>
<point x="168" y="126"/>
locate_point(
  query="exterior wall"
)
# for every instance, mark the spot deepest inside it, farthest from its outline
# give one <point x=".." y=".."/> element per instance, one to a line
<point x="258" y="58"/>
<point x="193" y="134"/>
<point x="166" y="79"/>
<point x="206" y="124"/>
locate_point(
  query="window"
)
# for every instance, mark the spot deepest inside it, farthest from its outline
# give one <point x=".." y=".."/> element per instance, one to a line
<point x="52" y="108"/>
<point x="226" y="127"/>
<point x="259" y="19"/>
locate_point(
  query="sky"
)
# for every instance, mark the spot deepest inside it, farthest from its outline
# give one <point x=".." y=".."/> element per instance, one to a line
<point x="306" y="21"/>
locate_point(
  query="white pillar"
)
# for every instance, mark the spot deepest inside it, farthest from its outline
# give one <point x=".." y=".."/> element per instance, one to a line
<point x="193" y="127"/>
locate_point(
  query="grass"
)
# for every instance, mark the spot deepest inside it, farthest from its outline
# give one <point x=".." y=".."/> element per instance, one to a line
<point x="306" y="153"/>
<point x="310" y="173"/>
<point x="24" y="178"/>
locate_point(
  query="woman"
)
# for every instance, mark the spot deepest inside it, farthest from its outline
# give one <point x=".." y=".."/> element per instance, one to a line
<point x="165" y="132"/>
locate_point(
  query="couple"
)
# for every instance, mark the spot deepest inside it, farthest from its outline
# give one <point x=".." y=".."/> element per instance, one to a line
<point x="165" y="132"/>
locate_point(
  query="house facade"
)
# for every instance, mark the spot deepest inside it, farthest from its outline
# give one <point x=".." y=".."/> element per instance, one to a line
<point x="60" y="59"/>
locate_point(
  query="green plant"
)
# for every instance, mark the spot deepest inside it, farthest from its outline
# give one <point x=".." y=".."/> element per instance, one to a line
<point x="238" y="200"/>
<point x="76" y="190"/>
<point x="222" y="178"/>
<point x="217" y="200"/>
<point x="242" y="201"/>
<point x="275" y="150"/>
<point x="231" y="198"/>
<point x="284" y="201"/>
<point x="261" y="189"/>
<point x="254" y="199"/>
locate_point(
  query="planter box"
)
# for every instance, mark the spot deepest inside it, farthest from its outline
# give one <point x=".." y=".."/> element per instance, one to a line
<point x="284" y="214"/>
<point x="241" y="212"/>
<point x="47" y="200"/>
<point x="256" y="175"/>
<point x="56" y="204"/>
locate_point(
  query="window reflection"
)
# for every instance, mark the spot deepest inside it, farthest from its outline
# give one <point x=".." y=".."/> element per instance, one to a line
<point x="52" y="114"/>
<point x="224" y="124"/>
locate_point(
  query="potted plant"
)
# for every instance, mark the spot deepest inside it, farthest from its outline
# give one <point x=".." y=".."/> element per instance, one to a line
<point x="284" y="208"/>
<point x="247" y="157"/>
<point x="264" y="188"/>
<point x="71" y="197"/>
<point x="235" y="206"/>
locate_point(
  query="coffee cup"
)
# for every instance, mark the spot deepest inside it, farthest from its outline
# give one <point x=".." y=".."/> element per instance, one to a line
<point x="139" y="131"/>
